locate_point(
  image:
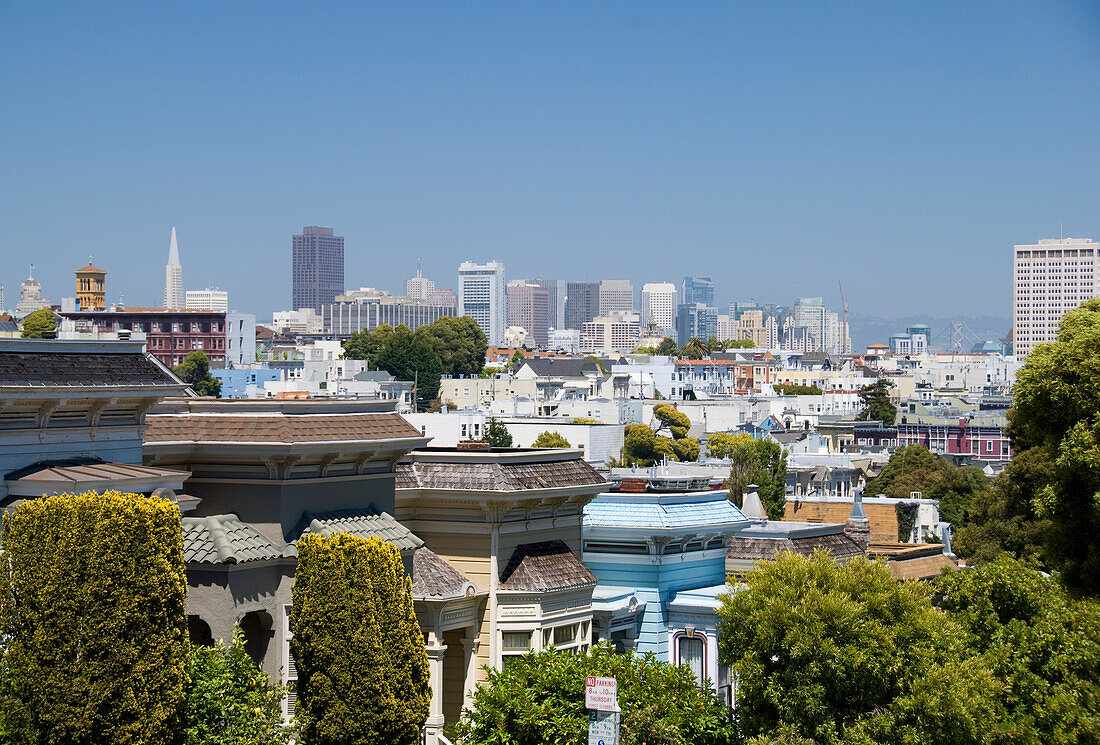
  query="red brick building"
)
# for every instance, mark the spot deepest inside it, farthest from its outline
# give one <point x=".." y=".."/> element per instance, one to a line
<point x="170" y="334"/>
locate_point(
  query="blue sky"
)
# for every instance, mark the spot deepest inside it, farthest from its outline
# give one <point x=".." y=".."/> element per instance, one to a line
<point x="775" y="146"/>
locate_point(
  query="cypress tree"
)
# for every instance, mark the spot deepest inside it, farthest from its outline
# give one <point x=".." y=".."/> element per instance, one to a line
<point x="93" y="618"/>
<point x="362" y="668"/>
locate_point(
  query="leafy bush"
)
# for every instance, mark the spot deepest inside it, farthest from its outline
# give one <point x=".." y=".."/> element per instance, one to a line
<point x="539" y="698"/>
<point x="849" y="654"/>
<point x="362" y="667"/>
<point x="550" y="439"/>
<point x="1043" y="648"/>
<point x="229" y="700"/>
<point x="92" y="613"/>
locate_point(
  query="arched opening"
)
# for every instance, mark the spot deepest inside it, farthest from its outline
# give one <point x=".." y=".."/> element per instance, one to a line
<point x="198" y="631"/>
<point x="258" y="629"/>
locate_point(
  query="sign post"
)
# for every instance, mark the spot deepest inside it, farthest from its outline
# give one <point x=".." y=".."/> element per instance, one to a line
<point x="601" y="697"/>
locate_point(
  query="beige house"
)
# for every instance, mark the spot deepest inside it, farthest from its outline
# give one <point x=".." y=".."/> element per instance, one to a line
<point x="509" y="521"/>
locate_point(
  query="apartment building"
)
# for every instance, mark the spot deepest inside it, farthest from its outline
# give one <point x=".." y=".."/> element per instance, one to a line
<point x="1050" y="278"/>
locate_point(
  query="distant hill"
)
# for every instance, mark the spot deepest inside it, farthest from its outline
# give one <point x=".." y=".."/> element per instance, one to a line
<point x="872" y="329"/>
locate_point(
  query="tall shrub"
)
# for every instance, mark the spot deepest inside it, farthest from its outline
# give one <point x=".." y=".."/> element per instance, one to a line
<point x="92" y="614"/>
<point x="362" y="668"/>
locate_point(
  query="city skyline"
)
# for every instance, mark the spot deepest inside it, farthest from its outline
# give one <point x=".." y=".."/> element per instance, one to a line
<point x="753" y="134"/>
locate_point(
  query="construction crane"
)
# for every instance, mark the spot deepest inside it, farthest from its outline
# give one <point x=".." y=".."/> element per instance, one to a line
<point x="844" y="330"/>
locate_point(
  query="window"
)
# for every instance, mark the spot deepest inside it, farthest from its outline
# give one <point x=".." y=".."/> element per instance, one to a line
<point x="564" y="635"/>
<point x="513" y="640"/>
<point x="689" y="654"/>
<point x="291" y="672"/>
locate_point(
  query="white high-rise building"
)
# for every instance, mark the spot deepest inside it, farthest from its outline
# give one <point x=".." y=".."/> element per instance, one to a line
<point x="658" y="306"/>
<point x="209" y="299"/>
<point x="1050" y="278"/>
<point x="481" y="296"/>
<point x="824" y="326"/>
<point x="419" y="287"/>
<point x="616" y="295"/>
<point x="173" y="278"/>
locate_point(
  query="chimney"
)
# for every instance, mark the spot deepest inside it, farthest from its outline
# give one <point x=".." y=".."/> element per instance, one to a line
<point x="752" y="507"/>
<point x="858" y="527"/>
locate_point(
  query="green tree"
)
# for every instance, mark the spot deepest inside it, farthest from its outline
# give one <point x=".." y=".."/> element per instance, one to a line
<point x="550" y="439"/>
<point x="229" y="700"/>
<point x="646" y="350"/>
<point x="195" y="371"/>
<point x="459" y="342"/>
<point x="876" y="402"/>
<point x="847" y="654"/>
<point x="497" y="434"/>
<point x="1042" y="646"/>
<point x="39" y="324"/>
<point x="362" y="668"/>
<point x="93" y="620"/>
<point x="539" y="698"/>
<point x="644" y="446"/>
<point x="714" y="345"/>
<point x="1056" y="407"/>
<point x="694" y="349"/>
<point x="740" y="344"/>
<point x="517" y="357"/>
<point x="1003" y="518"/>
<point x="794" y="389"/>
<point x="408" y="357"/>
<point x="913" y="468"/>
<point x="667" y="347"/>
<point x="488" y="372"/>
<point x="366" y="345"/>
<point x="752" y="461"/>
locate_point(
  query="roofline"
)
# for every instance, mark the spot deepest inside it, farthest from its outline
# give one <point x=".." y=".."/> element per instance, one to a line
<point x="393" y="443"/>
<point x="72" y="346"/>
<point x="517" y="456"/>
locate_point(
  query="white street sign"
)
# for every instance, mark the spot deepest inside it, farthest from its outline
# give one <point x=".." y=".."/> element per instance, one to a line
<point x="601" y="694"/>
<point x="603" y="728"/>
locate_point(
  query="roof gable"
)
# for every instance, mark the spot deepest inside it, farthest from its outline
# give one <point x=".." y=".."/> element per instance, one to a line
<point x="545" y="566"/>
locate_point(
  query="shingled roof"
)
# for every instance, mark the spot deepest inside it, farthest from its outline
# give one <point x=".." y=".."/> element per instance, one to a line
<point x="433" y="577"/>
<point x="272" y="427"/>
<point x="838" y="545"/>
<point x="497" y="476"/>
<point x="367" y="523"/>
<point x="43" y="366"/>
<point x="224" y="539"/>
<point x="545" y="566"/>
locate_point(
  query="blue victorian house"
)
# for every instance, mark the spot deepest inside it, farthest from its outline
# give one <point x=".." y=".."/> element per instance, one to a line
<point x="657" y="545"/>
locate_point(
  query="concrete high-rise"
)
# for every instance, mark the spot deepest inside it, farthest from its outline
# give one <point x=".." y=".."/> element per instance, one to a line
<point x="173" y="277"/>
<point x="529" y="308"/>
<point x="318" y="268"/>
<point x="658" y="306"/>
<point x="616" y="295"/>
<point x="582" y="303"/>
<point x="481" y="296"/>
<point x="419" y="287"/>
<point x="209" y="299"/>
<point x="1050" y="278"/>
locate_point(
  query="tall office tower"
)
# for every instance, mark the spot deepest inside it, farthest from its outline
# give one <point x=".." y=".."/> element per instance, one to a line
<point x="616" y="295"/>
<point x="556" y="294"/>
<point x="419" y="287"/>
<point x="1050" y="278"/>
<point x="658" y="306"/>
<point x="695" y="321"/>
<point x="582" y="304"/>
<point x="824" y="326"/>
<point x="529" y="308"/>
<point x="481" y="296"/>
<point x="209" y="299"/>
<point x="318" y="267"/>
<point x="91" y="288"/>
<point x="173" y="277"/>
<point x="1" y="296"/>
<point x="697" y="290"/>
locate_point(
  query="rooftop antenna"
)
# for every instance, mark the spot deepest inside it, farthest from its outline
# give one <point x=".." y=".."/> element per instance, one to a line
<point x="844" y="331"/>
<point x="418" y="260"/>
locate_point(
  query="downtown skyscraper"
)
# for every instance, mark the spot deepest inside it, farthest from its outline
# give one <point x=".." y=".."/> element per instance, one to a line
<point x="173" y="277"/>
<point x="318" y="274"/>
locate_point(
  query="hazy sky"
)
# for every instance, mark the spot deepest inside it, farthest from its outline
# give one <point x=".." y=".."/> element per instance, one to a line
<point x="775" y="146"/>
